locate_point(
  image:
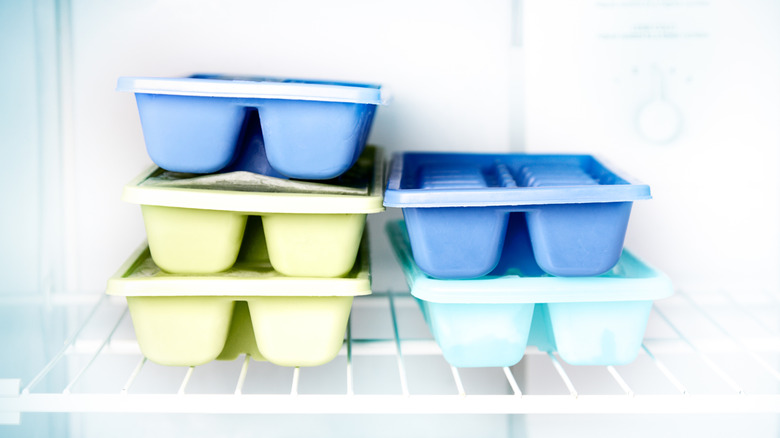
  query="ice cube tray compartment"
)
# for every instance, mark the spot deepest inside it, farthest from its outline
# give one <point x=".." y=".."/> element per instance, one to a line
<point x="188" y="320"/>
<point x="490" y="321"/>
<point x="192" y="241"/>
<point x="286" y="331"/>
<point x="457" y="206"/>
<point x="198" y="229"/>
<point x="202" y="124"/>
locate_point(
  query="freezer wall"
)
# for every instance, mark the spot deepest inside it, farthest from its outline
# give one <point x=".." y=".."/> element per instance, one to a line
<point x="684" y="96"/>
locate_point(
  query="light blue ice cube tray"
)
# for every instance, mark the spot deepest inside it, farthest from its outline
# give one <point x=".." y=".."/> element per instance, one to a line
<point x="279" y="127"/>
<point x="488" y="322"/>
<point x="457" y="208"/>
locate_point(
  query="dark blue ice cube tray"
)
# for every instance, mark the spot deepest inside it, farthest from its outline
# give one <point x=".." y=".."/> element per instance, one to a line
<point x="457" y="207"/>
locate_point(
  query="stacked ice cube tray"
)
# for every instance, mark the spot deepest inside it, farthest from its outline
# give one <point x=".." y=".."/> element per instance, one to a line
<point x="503" y="250"/>
<point x="199" y="124"/>
<point x="188" y="320"/>
<point x="241" y="259"/>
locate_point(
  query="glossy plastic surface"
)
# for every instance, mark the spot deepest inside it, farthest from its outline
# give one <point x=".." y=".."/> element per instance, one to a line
<point x="457" y="207"/>
<point x="489" y="322"/>
<point x="199" y="224"/>
<point x="250" y="309"/>
<point x="300" y="129"/>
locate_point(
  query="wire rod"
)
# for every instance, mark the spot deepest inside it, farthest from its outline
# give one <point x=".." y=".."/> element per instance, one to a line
<point x="186" y="380"/>
<point x="736" y="340"/>
<point x="751" y="315"/>
<point x="133" y="375"/>
<point x="96" y="353"/>
<point x="399" y="355"/>
<point x="68" y="343"/>
<point x="666" y="372"/>
<point x="710" y="363"/>
<point x="350" y="385"/>
<point x="512" y="381"/>
<point x="295" y="380"/>
<point x="562" y="373"/>
<point x="620" y="381"/>
<point x="242" y="376"/>
<point x="458" y="381"/>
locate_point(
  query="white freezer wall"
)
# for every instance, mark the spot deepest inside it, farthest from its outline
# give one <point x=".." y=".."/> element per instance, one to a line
<point x="683" y="95"/>
<point x="448" y="68"/>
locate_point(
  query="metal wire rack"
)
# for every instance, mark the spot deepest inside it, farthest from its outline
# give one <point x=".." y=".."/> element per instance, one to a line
<point x="715" y="352"/>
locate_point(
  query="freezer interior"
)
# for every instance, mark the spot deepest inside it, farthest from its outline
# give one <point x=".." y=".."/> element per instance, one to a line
<point x="682" y="95"/>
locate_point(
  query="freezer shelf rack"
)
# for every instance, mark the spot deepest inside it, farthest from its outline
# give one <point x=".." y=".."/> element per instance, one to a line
<point x="714" y="352"/>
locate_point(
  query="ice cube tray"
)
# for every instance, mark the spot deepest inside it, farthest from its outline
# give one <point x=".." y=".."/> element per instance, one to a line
<point x="205" y="123"/>
<point x="488" y="322"/>
<point x="457" y="206"/>
<point x="198" y="224"/>
<point x="188" y="320"/>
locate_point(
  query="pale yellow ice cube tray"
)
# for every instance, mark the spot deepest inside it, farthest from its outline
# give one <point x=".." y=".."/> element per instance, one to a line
<point x="195" y="224"/>
<point x="188" y="320"/>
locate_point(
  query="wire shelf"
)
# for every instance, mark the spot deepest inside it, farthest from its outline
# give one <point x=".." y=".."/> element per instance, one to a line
<point x="714" y="352"/>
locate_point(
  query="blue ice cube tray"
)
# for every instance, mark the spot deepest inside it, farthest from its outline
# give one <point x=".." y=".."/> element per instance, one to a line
<point x="457" y="208"/>
<point x="279" y="127"/>
<point x="489" y="322"/>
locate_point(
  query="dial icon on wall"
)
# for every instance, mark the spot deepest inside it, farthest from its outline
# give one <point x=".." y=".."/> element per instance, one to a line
<point x="658" y="119"/>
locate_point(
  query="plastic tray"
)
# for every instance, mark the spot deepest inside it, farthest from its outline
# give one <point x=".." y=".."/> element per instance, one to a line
<point x="207" y="123"/>
<point x="457" y="207"/>
<point x="199" y="224"/>
<point x="188" y="320"/>
<point x="489" y="322"/>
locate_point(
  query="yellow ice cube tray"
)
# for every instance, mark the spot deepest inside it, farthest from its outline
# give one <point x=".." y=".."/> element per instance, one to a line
<point x="192" y="319"/>
<point x="195" y="224"/>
